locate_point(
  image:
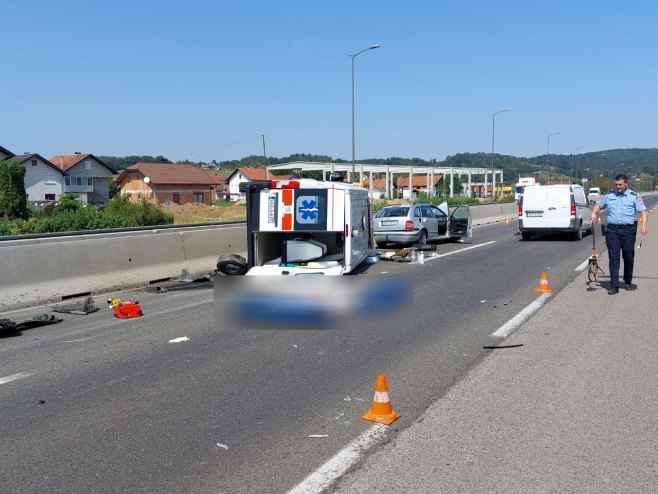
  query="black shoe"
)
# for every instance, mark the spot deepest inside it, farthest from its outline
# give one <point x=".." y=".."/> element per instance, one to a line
<point x="630" y="287"/>
<point x="613" y="290"/>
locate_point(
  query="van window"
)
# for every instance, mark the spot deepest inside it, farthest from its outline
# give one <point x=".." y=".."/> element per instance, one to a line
<point x="579" y="195"/>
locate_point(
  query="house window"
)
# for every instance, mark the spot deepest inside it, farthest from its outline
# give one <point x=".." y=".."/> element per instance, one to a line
<point x="50" y="197"/>
<point x="176" y="197"/>
<point x="87" y="164"/>
<point x="197" y="197"/>
<point x="34" y="162"/>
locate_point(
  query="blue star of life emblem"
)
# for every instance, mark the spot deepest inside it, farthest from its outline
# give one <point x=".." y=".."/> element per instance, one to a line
<point x="308" y="210"/>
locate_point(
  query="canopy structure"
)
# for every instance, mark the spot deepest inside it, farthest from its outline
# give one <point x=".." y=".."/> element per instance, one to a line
<point x="373" y="172"/>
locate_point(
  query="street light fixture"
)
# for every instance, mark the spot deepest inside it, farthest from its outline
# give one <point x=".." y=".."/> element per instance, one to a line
<point x="548" y="142"/>
<point x="354" y="55"/>
<point x="493" y="140"/>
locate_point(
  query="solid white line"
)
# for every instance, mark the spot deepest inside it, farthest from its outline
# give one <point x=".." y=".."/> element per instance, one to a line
<point x="13" y="377"/>
<point x="506" y="329"/>
<point x="460" y="250"/>
<point x="324" y="476"/>
<point x="583" y="265"/>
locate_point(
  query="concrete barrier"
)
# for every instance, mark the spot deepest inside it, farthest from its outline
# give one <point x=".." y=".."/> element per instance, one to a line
<point x="45" y="270"/>
<point x="32" y="273"/>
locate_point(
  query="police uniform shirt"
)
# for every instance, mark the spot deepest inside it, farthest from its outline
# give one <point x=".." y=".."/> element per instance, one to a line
<point x="622" y="207"/>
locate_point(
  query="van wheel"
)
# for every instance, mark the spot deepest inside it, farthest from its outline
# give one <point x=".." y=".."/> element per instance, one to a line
<point x="422" y="238"/>
<point x="525" y="235"/>
<point x="578" y="234"/>
<point x="231" y="264"/>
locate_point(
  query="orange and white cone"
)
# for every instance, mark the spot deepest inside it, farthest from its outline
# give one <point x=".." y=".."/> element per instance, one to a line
<point x="381" y="410"/>
<point x="543" y="284"/>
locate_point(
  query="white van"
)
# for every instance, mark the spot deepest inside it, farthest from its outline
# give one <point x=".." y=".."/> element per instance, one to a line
<point x="549" y="209"/>
<point x="594" y="193"/>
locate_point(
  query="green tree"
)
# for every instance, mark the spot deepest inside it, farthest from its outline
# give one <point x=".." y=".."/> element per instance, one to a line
<point x="13" y="199"/>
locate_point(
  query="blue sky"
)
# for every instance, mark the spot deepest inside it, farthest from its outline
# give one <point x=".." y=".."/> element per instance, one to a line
<point x="203" y="79"/>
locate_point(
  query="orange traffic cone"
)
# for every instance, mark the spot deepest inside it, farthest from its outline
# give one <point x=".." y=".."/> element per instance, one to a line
<point x="543" y="284"/>
<point x="381" y="410"/>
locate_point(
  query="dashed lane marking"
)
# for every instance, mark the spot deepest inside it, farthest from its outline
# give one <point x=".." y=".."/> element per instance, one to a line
<point x="460" y="250"/>
<point x="506" y="329"/>
<point x="14" y="377"/>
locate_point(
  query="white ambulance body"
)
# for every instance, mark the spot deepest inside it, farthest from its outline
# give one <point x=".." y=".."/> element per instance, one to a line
<point x="306" y="226"/>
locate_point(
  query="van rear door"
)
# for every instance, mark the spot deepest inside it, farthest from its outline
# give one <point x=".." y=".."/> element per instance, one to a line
<point x="558" y="207"/>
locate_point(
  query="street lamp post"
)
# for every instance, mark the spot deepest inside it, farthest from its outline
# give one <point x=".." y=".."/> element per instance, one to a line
<point x="548" y="142"/>
<point x="493" y="140"/>
<point x="354" y="55"/>
<point x="575" y="167"/>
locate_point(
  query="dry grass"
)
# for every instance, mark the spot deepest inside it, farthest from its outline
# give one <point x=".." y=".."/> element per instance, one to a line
<point x="202" y="213"/>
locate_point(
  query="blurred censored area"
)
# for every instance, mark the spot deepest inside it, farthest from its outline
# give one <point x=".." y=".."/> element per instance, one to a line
<point x="312" y="302"/>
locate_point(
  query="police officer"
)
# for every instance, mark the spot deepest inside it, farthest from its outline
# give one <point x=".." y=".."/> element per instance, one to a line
<point x="622" y="204"/>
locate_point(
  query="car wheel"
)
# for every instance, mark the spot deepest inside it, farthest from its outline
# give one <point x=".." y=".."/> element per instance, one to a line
<point x="382" y="245"/>
<point x="525" y="235"/>
<point x="232" y="265"/>
<point x="422" y="238"/>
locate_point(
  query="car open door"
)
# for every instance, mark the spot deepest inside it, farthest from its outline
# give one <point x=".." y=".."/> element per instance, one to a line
<point x="460" y="222"/>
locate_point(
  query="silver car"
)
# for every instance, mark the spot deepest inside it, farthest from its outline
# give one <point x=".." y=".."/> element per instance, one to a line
<point x="418" y="223"/>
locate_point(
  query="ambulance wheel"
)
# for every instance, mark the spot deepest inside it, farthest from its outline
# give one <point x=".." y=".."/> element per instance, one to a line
<point x="231" y="264"/>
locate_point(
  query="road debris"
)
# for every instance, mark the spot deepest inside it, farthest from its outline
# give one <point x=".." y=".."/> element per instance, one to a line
<point x="224" y="446"/>
<point x="497" y="347"/>
<point x="87" y="306"/>
<point x="318" y="435"/>
<point x="7" y="326"/>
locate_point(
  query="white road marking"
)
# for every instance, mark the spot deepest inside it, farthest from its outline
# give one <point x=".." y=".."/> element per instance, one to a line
<point x="583" y="265"/>
<point x="506" y="329"/>
<point x="78" y="340"/>
<point x="460" y="250"/>
<point x="179" y="339"/>
<point x="335" y="467"/>
<point x="14" y="377"/>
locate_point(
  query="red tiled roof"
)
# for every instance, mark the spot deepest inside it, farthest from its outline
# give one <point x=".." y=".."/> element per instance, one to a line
<point x="257" y="174"/>
<point x="169" y="173"/>
<point x="418" y="181"/>
<point x="66" y="161"/>
<point x="377" y="183"/>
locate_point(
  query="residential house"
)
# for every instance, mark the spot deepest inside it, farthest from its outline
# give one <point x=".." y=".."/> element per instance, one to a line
<point x="43" y="180"/>
<point x="420" y="183"/>
<point x="167" y="182"/>
<point x="86" y="176"/>
<point x="378" y="187"/>
<point x="246" y="174"/>
<point x="5" y="153"/>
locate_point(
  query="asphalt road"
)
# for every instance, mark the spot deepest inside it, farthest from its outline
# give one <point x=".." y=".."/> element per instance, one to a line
<point x="108" y="405"/>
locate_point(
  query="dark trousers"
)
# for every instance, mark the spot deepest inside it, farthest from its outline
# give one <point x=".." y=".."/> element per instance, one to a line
<point x="621" y="238"/>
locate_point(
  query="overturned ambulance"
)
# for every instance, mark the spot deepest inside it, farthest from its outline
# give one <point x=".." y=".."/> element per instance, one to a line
<point x="306" y="226"/>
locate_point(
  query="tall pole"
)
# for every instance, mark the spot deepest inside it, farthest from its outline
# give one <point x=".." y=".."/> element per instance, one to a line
<point x="354" y="55"/>
<point x="548" y="142"/>
<point x="575" y="168"/>
<point x="493" y="140"/>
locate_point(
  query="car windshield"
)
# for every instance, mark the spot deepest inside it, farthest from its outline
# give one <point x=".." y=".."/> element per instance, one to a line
<point x="393" y="212"/>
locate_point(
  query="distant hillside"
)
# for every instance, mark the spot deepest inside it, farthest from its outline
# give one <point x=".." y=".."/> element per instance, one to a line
<point x="636" y="163"/>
